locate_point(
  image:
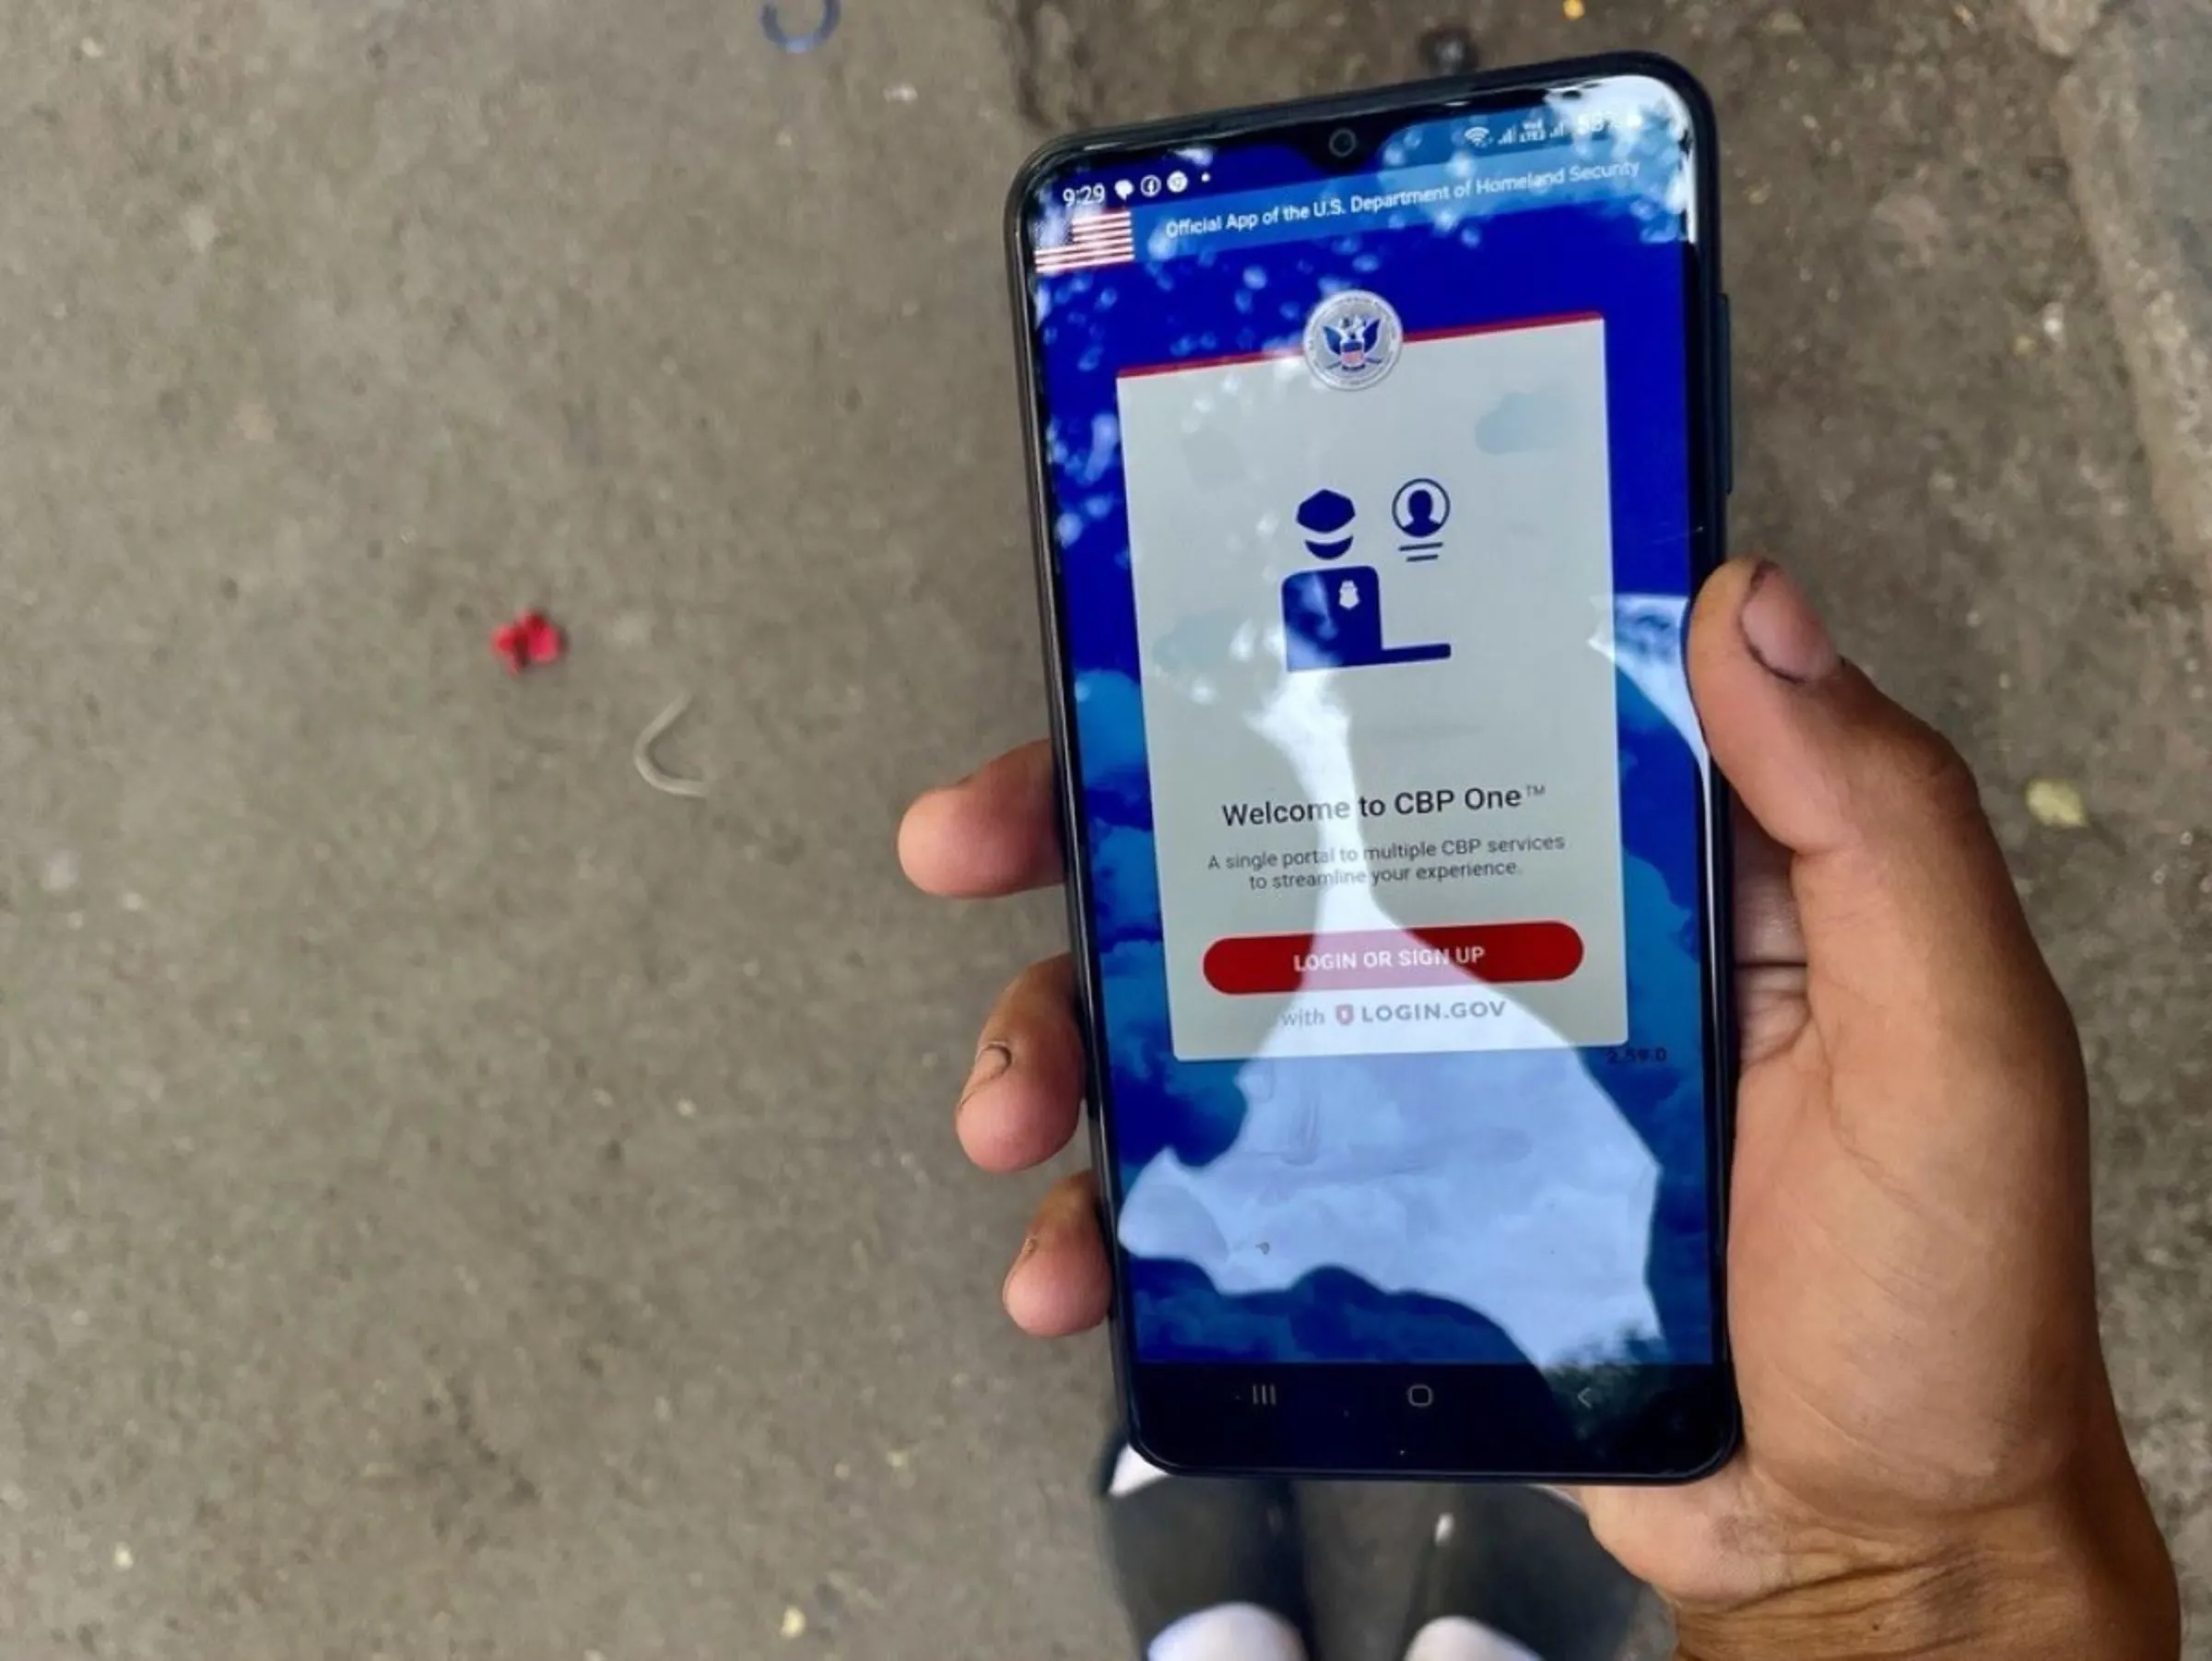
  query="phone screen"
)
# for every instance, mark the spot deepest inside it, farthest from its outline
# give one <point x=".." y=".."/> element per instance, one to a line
<point x="1375" y="513"/>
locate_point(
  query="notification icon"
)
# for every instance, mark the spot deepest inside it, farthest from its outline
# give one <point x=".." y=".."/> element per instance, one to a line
<point x="1179" y="181"/>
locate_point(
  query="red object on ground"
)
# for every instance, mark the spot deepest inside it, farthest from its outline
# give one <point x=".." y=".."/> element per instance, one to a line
<point x="532" y="640"/>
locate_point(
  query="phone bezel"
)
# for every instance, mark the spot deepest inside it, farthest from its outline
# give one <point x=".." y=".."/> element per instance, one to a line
<point x="1362" y="1419"/>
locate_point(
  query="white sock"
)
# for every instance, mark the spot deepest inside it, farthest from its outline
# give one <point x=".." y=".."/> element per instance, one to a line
<point x="1133" y="1471"/>
<point x="1235" y="1631"/>
<point x="1454" y="1639"/>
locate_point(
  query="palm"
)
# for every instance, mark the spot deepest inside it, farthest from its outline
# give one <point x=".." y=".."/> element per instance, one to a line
<point x="1868" y="1385"/>
<point x="1911" y="1302"/>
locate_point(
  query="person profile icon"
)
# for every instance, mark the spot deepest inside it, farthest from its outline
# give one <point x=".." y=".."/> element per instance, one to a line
<point x="1422" y="510"/>
<point x="1421" y="515"/>
<point x="1332" y="617"/>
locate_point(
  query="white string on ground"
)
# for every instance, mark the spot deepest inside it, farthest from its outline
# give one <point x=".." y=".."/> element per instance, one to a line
<point x="667" y="783"/>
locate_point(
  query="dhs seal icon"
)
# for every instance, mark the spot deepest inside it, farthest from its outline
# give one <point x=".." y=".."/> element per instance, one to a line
<point x="1353" y="340"/>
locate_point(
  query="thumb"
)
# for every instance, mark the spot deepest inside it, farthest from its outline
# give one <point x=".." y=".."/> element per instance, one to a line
<point x="1914" y="935"/>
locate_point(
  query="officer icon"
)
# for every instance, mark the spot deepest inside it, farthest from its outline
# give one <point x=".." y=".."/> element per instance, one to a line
<point x="1332" y="617"/>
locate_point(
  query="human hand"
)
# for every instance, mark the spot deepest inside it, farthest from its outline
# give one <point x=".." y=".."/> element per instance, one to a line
<point x="1932" y="1464"/>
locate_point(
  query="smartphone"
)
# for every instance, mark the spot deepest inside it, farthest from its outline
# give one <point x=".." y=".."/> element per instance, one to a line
<point x="1379" y="446"/>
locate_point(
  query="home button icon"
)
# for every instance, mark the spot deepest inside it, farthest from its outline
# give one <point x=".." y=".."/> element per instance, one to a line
<point x="1421" y="1396"/>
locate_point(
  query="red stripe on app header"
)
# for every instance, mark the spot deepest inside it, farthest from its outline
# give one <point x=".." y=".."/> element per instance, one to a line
<point x="1425" y="335"/>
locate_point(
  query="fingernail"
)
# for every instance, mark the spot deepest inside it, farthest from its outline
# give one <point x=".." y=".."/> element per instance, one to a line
<point x="991" y="1060"/>
<point x="1029" y="1250"/>
<point x="1784" y="632"/>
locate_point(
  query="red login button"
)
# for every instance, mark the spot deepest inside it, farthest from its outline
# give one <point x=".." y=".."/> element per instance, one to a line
<point x="1499" y="954"/>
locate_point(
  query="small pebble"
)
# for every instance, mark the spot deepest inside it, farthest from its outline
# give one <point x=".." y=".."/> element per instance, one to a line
<point x="795" y="1623"/>
<point x="254" y="421"/>
<point x="124" y="1560"/>
<point x="1449" y="51"/>
<point x="2057" y="805"/>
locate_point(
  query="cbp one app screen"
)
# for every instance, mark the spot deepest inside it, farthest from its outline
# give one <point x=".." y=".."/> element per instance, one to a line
<point x="1387" y="817"/>
<point x="1372" y="529"/>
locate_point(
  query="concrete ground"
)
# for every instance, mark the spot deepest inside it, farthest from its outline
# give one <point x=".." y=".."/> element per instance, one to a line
<point x="454" y="1203"/>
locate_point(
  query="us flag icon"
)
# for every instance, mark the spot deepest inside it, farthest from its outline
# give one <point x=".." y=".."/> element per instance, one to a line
<point x="1084" y="241"/>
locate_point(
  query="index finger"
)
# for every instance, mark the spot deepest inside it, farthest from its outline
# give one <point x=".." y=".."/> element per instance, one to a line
<point x="995" y="833"/>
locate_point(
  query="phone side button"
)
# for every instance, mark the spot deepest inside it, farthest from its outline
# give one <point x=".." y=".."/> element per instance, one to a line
<point x="1727" y="396"/>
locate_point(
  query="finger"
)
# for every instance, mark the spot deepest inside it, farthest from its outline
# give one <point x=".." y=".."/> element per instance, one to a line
<point x="1907" y="907"/>
<point x="1770" y="945"/>
<point x="1767" y="932"/>
<point x="1061" y="1284"/>
<point x="1023" y="1099"/>
<point x="1710" y="1543"/>
<point x="995" y="833"/>
<point x="1770" y="1010"/>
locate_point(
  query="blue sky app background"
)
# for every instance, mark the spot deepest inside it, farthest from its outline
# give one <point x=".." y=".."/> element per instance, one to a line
<point x="1622" y="260"/>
